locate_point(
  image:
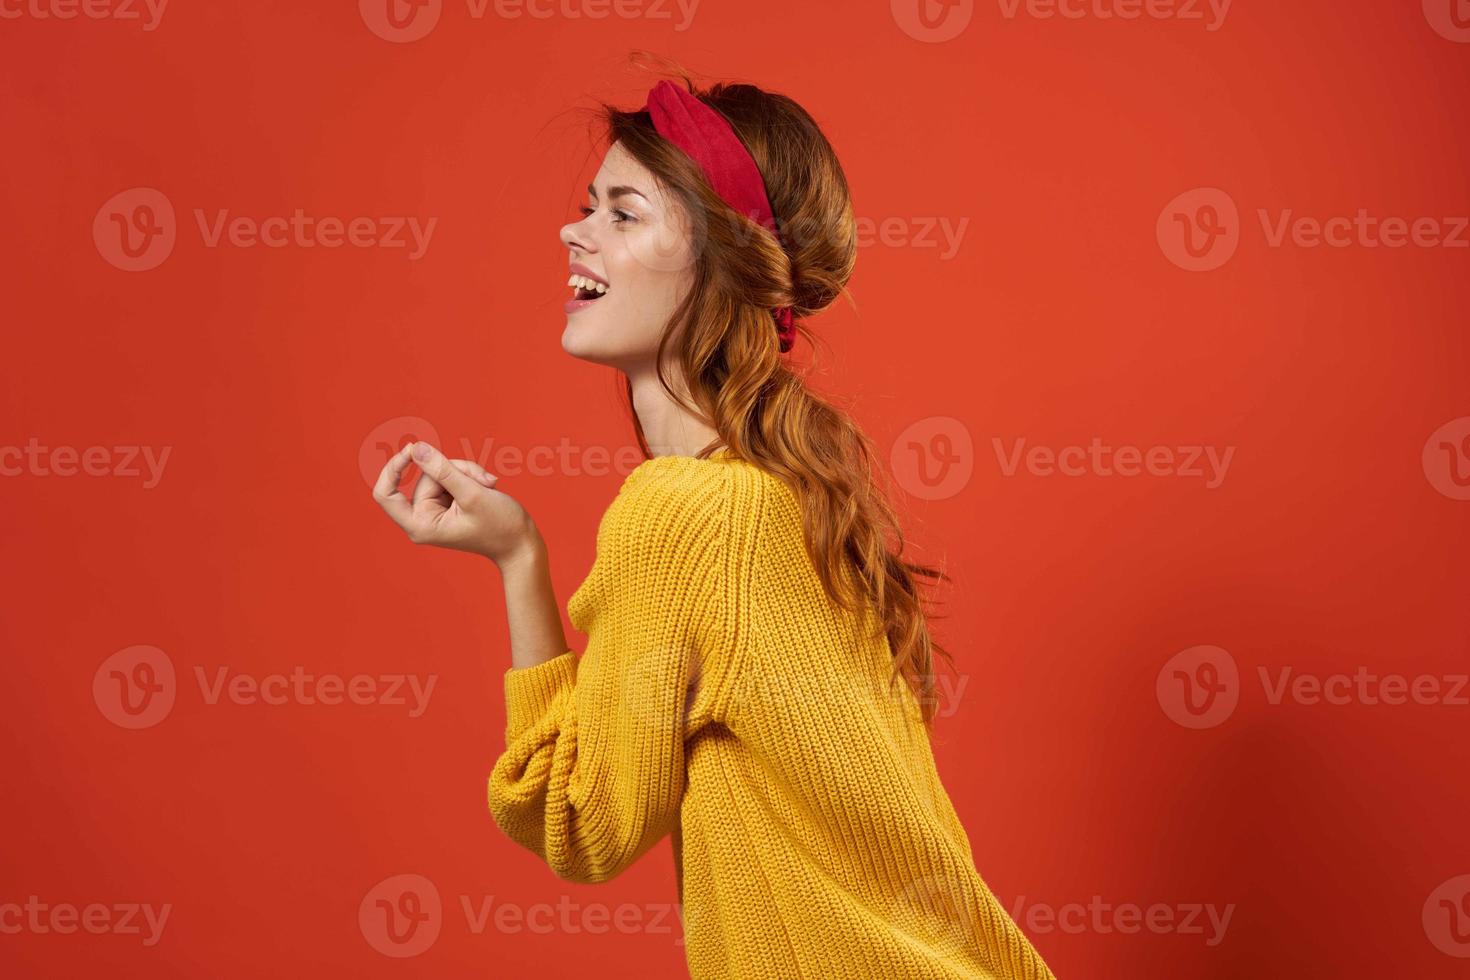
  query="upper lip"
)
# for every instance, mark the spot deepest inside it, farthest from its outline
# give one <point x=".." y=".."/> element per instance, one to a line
<point x="579" y="269"/>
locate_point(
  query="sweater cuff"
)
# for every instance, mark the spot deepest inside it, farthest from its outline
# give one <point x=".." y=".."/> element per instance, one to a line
<point x="529" y="691"/>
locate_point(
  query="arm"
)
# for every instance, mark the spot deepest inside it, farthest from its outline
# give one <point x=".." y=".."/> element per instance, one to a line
<point x="455" y="504"/>
<point x="593" y="771"/>
<point x="531" y="611"/>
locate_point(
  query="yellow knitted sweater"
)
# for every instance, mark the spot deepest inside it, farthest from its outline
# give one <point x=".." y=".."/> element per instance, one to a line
<point x="724" y="702"/>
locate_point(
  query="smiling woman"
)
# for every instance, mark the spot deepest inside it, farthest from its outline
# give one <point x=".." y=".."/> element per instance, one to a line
<point x="758" y="684"/>
<point x="639" y="240"/>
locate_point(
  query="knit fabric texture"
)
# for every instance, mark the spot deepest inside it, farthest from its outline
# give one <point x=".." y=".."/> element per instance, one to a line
<point x="725" y="703"/>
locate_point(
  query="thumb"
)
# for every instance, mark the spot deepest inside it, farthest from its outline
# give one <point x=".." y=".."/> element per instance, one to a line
<point x="461" y="487"/>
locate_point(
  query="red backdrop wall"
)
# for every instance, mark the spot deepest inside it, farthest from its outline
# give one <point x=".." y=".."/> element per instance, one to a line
<point x="1183" y="411"/>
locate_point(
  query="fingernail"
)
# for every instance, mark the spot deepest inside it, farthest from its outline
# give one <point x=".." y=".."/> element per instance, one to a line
<point x="421" y="450"/>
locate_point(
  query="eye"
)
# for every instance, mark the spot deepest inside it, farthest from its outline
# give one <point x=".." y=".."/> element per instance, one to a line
<point x="619" y="215"/>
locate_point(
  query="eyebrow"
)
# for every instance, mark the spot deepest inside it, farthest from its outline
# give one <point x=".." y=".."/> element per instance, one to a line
<point x="618" y="191"/>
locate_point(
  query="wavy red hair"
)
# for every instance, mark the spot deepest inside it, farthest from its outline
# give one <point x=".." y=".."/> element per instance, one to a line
<point x="723" y="338"/>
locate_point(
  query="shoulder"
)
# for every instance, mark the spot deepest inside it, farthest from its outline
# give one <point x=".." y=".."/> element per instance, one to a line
<point x="668" y="500"/>
<point x="683" y="531"/>
<point x="662" y="541"/>
<point x="683" y="513"/>
<point x="686" y="496"/>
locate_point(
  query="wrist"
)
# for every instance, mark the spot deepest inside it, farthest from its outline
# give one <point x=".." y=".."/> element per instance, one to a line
<point x="529" y="549"/>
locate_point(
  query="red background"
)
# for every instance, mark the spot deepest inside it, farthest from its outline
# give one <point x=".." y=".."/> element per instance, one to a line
<point x="1327" y="547"/>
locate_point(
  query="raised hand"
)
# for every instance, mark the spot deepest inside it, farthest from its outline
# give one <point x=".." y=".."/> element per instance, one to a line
<point x="454" y="505"/>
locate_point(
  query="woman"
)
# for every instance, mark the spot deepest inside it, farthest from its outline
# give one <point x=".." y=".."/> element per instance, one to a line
<point x="757" y="683"/>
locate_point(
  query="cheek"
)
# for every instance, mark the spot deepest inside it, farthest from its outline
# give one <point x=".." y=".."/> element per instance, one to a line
<point x="652" y="288"/>
<point x="655" y="294"/>
<point x="660" y="249"/>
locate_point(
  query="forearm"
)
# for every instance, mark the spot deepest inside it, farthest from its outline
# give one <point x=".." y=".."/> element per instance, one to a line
<point x="531" y="612"/>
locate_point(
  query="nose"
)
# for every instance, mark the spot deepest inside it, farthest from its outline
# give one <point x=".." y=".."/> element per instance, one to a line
<point x="577" y="235"/>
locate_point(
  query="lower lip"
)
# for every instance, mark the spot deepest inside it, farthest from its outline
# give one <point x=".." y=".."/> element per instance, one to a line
<point x="573" y="305"/>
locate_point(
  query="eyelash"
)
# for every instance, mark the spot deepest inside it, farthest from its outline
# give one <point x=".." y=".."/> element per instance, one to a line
<point x="615" y="211"/>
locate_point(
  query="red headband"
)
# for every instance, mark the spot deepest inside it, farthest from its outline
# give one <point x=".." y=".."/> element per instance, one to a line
<point x="706" y="137"/>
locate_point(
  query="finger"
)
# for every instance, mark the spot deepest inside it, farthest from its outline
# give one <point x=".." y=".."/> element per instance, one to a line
<point x="475" y="470"/>
<point x="428" y="487"/>
<point x="434" y="464"/>
<point x="385" y="490"/>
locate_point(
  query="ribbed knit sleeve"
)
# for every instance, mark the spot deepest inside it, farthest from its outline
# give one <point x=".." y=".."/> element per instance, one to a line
<point x="593" y="770"/>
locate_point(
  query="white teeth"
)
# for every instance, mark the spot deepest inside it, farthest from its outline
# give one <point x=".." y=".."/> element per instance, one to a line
<point x="582" y="282"/>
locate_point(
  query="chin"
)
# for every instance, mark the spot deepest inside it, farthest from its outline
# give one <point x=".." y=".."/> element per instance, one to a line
<point x="606" y="341"/>
<point x="582" y="343"/>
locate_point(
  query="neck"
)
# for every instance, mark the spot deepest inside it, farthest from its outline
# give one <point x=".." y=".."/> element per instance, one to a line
<point x="670" y="428"/>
